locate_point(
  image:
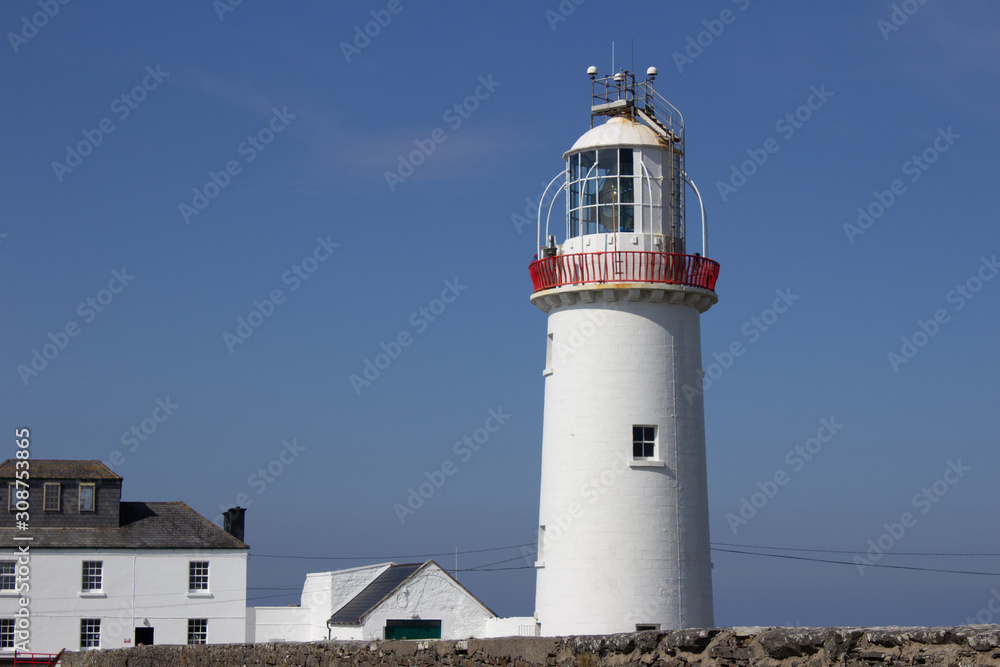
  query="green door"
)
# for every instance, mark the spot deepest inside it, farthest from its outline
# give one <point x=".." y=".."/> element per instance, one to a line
<point x="412" y="629"/>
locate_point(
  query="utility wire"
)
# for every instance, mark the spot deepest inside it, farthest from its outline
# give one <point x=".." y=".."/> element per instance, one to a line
<point x="447" y="553"/>
<point x="837" y="551"/>
<point x="842" y="562"/>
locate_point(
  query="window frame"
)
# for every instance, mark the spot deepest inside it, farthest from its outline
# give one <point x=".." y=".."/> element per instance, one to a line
<point x="46" y="487"/>
<point x="93" y="497"/>
<point x="6" y="577"/>
<point x="6" y="633"/>
<point x="197" y="631"/>
<point x="198" y="581"/>
<point x="640" y="439"/>
<point x="11" y="488"/>
<point x="90" y="633"/>
<point x="588" y="197"/>
<point x="90" y="576"/>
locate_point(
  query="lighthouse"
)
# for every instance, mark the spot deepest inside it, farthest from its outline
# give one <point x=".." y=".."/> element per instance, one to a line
<point x="623" y="539"/>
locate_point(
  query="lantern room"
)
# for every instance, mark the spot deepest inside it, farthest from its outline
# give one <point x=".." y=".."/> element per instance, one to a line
<point x="624" y="185"/>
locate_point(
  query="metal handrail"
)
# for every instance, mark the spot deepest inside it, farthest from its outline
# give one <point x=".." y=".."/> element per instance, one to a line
<point x="624" y="266"/>
<point x="47" y="659"/>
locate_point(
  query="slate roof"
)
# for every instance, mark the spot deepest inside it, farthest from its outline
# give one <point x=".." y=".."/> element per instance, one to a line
<point x="61" y="469"/>
<point x="379" y="589"/>
<point x="171" y="525"/>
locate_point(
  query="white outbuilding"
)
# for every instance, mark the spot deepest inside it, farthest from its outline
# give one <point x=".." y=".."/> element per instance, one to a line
<point x="383" y="601"/>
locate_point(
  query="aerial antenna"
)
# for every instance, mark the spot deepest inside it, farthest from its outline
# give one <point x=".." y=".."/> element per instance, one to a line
<point x="612" y="56"/>
<point x="633" y="55"/>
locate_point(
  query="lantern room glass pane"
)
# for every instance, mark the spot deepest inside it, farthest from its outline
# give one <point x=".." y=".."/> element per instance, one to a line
<point x="625" y="161"/>
<point x="627" y="220"/>
<point x="607" y="162"/>
<point x="627" y="196"/>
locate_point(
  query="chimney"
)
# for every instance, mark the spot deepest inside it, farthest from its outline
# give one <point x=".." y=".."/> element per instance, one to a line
<point x="233" y="522"/>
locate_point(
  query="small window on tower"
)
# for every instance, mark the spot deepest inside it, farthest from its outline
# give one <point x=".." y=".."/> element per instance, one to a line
<point x="548" y="355"/>
<point x="643" y="442"/>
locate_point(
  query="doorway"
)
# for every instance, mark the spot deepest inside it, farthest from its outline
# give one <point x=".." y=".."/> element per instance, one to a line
<point x="144" y="636"/>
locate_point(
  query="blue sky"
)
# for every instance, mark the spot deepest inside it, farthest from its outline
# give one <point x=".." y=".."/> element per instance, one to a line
<point x="286" y="135"/>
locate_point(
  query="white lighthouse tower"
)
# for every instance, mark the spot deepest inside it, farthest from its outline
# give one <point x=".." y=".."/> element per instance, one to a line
<point x="623" y="541"/>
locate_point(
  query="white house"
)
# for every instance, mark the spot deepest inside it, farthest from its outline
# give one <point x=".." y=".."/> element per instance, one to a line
<point x="99" y="572"/>
<point x="384" y="601"/>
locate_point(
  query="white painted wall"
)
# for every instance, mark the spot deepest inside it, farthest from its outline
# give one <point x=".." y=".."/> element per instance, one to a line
<point x="514" y="626"/>
<point x="150" y="584"/>
<point x="626" y="542"/>
<point x="431" y="595"/>
<point x="280" y="624"/>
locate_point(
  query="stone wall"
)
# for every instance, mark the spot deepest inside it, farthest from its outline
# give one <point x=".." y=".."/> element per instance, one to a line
<point x="784" y="647"/>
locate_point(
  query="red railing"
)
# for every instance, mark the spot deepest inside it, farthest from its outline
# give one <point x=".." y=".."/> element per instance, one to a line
<point x="47" y="659"/>
<point x="626" y="267"/>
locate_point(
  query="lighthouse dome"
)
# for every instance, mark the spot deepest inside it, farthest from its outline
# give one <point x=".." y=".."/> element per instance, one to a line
<point x="618" y="131"/>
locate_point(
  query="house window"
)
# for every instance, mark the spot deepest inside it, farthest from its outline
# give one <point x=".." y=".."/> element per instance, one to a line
<point x="197" y="630"/>
<point x="87" y="493"/>
<point x="640" y="627"/>
<point x="198" y="575"/>
<point x="92" y="571"/>
<point x="8" y="577"/>
<point x="6" y="633"/>
<point x="10" y="497"/>
<point x="51" y="502"/>
<point x="90" y="632"/>
<point x="643" y="442"/>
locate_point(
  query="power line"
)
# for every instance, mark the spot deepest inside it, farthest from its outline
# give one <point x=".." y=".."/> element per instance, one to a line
<point x="447" y="553"/>
<point x="838" y="551"/>
<point x="841" y="562"/>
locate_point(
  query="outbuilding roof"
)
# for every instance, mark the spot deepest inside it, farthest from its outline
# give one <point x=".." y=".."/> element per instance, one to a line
<point x="171" y="525"/>
<point x="60" y="469"/>
<point x="382" y="587"/>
